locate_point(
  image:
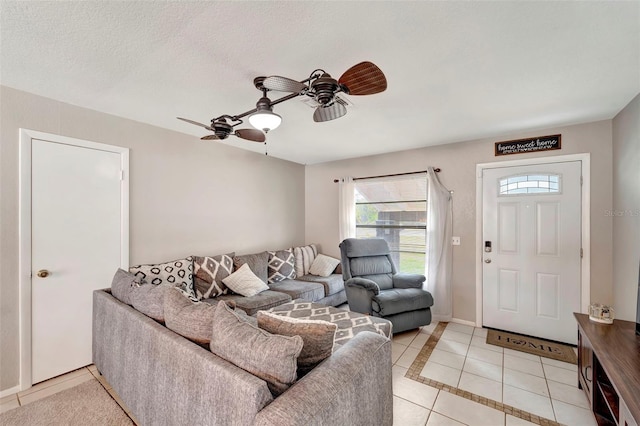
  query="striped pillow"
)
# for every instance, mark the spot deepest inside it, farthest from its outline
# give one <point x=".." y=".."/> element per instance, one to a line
<point x="304" y="258"/>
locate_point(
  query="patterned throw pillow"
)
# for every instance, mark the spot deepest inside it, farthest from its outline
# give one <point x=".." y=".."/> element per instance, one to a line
<point x="281" y="265"/>
<point x="304" y="258"/>
<point x="208" y="273"/>
<point x="317" y="336"/>
<point x="268" y="356"/>
<point x="177" y="273"/>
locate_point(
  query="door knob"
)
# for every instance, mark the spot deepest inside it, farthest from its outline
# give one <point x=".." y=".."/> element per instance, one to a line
<point x="43" y="273"/>
<point x="487" y="261"/>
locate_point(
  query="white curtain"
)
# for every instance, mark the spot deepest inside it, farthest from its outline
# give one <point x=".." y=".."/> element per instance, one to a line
<point x="347" y="208"/>
<point x="439" y="250"/>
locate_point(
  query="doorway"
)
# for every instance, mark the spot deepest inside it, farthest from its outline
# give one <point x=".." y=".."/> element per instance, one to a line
<point x="532" y="236"/>
<point x="74" y="215"/>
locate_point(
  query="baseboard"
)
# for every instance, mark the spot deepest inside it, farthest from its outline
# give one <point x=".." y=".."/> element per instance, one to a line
<point x="9" y="391"/>
<point x="463" y="322"/>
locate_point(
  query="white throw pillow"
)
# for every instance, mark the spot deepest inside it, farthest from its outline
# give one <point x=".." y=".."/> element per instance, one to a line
<point x="245" y="282"/>
<point x="323" y="265"/>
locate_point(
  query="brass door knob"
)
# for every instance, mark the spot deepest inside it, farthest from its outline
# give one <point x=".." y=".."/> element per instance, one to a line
<point x="43" y="273"/>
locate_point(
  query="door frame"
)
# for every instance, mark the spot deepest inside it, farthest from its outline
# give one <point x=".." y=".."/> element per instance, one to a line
<point x="24" y="230"/>
<point x="585" y="267"/>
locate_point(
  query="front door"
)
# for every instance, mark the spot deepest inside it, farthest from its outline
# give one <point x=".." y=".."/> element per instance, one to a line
<point x="532" y="249"/>
<point x="77" y="241"/>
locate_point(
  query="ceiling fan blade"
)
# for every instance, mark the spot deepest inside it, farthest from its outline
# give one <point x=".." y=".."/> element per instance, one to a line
<point x="364" y="78"/>
<point x="328" y="113"/>
<point x="283" y="84"/>
<point x="250" y="135"/>
<point x="210" y="138"/>
<point x="196" y="123"/>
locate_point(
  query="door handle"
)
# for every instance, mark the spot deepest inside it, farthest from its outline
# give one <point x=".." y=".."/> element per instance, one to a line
<point x="43" y="273"/>
<point x="487" y="261"/>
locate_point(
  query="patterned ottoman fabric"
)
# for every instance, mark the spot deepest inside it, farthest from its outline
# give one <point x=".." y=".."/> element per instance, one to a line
<point x="349" y="323"/>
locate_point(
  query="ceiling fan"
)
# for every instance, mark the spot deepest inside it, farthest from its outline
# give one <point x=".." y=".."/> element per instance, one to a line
<point x="364" y="78"/>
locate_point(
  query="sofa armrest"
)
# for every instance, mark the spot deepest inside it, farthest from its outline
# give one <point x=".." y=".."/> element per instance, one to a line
<point x="351" y="387"/>
<point x="364" y="284"/>
<point x="408" y="280"/>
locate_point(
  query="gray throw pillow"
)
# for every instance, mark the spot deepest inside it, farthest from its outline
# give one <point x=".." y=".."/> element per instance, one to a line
<point x="281" y="265"/>
<point x="208" y="273"/>
<point x="122" y="284"/>
<point x="265" y="355"/>
<point x="193" y="320"/>
<point x="178" y="273"/>
<point x="149" y="299"/>
<point x="318" y="337"/>
<point x="257" y="263"/>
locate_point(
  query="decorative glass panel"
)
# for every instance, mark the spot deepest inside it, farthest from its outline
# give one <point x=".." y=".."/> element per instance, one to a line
<point x="530" y="184"/>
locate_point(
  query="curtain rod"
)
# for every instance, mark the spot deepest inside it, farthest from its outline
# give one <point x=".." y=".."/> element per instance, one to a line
<point x="437" y="170"/>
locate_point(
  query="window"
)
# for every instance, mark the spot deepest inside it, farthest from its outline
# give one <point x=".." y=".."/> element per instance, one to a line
<point x="395" y="209"/>
<point x="530" y="184"/>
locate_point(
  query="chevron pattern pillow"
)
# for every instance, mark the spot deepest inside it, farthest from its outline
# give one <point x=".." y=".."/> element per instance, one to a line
<point x="281" y="265"/>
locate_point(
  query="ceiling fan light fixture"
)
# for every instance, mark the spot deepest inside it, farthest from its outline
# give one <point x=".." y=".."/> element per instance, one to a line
<point x="264" y="118"/>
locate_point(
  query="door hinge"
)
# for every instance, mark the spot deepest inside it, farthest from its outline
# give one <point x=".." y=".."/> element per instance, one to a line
<point x="581" y="253"/>
<point x="121" y="175"/>
<point x="581" y="180"/>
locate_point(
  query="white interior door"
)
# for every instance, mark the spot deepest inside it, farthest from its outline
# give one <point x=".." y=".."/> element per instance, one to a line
<point x="77" y="238"/>
<point x="531" y="274"/>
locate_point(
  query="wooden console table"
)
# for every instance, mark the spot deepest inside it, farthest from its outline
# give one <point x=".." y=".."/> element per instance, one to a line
<point x="609" y="370"/>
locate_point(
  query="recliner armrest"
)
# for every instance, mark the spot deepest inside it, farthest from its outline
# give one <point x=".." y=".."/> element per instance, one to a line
<point x="364" y="284"/>
<point x="408" y="280"/>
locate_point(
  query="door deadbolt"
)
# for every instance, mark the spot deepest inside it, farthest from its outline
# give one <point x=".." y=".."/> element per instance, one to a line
<point x="43" y="273"/>
<point x="487" y="261"/>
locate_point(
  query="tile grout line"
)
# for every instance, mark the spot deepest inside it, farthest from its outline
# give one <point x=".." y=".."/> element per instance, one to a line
<point x="418" y="364"/>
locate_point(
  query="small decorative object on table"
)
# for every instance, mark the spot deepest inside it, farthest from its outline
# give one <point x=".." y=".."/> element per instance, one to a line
<point x="601" y="313"/>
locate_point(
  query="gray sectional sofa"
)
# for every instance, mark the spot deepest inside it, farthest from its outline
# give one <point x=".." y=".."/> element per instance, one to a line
<point x="165" y="379"/>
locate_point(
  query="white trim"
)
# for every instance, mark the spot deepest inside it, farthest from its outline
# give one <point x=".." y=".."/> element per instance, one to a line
<point x="10" y="391"/>
<point x="24" y="279"/>
<point x="463" y="322"/>
<point x="585" y="273"/>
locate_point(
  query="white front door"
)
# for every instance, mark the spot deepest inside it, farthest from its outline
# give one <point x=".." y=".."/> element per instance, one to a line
<point x="77" y="244"/>
<point x="531" y="249"/>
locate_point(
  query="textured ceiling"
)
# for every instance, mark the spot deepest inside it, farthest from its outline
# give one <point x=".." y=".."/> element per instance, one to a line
<point x="456" y="70"/>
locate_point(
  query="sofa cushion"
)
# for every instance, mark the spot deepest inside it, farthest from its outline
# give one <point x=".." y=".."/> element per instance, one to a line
<point x="208" y="273"/>
<point x="178" y="273"/>
<point x="332" y="284"/>
<point x="281" y="265"/>
<point x="193" y="320"/>
<point x="271" y="357"/>
<point x="251" y="305"/>
<point x="257" y="263"/>
<point x="122" y="284"/>
<point x="304" y="257"/>
<point x="300" y="289"/>
<point x="394" y="301"/>
<point x="318" y="337"/>
<point x="323" y="266"/>
<point x="245" y="282"/>
<point x="149" y="299"/>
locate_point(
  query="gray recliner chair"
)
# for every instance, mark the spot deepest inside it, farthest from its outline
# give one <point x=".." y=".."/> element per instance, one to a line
<point x="374" y="286"/>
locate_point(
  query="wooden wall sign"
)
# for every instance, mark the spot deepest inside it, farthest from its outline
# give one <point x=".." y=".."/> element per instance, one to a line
<point x="519" y="146"/>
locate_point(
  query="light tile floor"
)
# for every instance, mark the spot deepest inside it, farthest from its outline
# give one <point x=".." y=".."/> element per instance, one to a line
<point x="461" y="359"/>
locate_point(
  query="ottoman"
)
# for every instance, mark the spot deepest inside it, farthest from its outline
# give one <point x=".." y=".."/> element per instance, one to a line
<point x="349" y="323"/>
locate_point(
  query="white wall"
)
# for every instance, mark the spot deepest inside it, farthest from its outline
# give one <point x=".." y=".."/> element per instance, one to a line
<point x="186" y="196"/>
<point x="458" y="162"/>
<point x="626" y="206"/>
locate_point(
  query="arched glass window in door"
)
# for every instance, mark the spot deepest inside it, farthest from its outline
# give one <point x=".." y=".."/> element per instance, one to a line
<point x="530" y="184"/>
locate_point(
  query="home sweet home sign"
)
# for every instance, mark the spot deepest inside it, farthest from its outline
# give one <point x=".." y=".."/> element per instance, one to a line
<point x="519" y="146"/>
